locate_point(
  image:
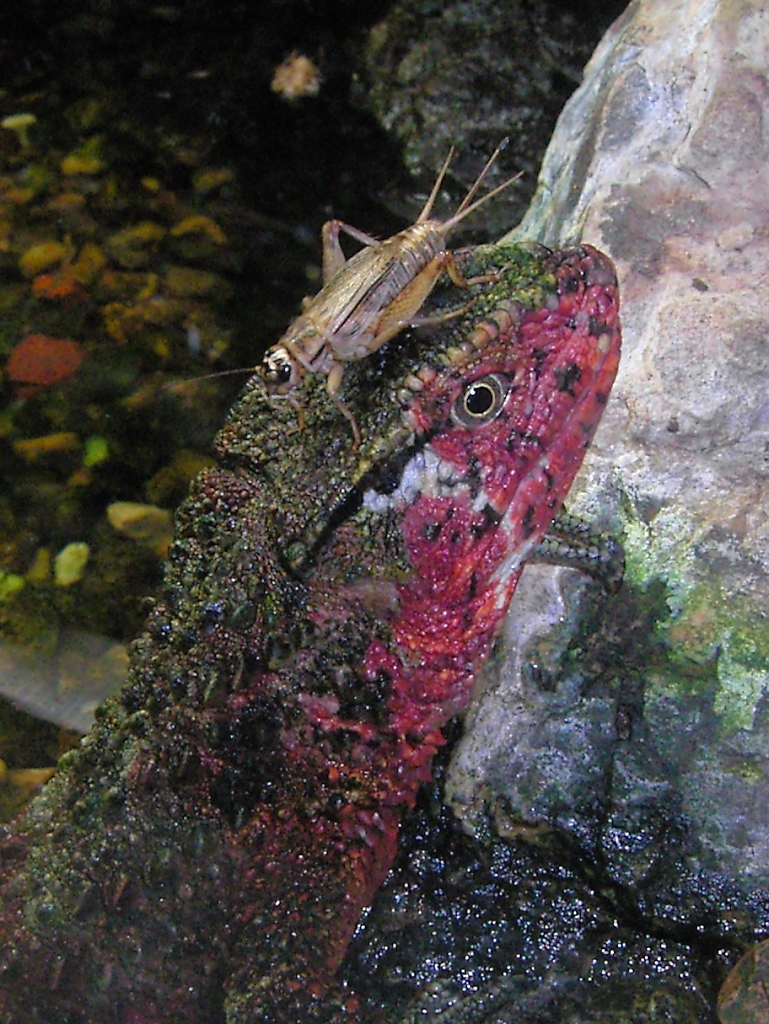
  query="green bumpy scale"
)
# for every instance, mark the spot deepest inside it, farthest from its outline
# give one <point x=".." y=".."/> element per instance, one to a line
<point x="206" y="853"/>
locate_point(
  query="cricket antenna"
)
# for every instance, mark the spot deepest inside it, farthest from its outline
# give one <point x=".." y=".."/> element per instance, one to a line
<point x="465" y="211"/>
<point x="478" y="181"/>
<point x="467" y="206"/>
<point x="427" y="208"/>
<point x="176" y="385"/>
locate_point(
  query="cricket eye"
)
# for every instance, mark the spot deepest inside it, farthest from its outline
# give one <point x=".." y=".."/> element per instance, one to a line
<point x="280" y="370"/>
<point x="480" y="401"/>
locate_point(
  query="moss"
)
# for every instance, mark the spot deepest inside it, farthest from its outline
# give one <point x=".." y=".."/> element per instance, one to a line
<point x="704" y="623"/>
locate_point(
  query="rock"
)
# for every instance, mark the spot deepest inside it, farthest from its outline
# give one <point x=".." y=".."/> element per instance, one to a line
<point x="18" y="787"/>
<point x="211" y="179"/>
<point x="743" y="997"/>
<point x="621" y="744"/>
<point x="465" y="75"/>
<point x="39" y="360"/>
<point x="32" y="448"/>
<point x="69" y="565"/>
<point x="86" y="159"/>
<point x="10" y="584"/>
<point x="89" y="264"/>
<point x="197" y="224"/>
<point x="297" y="76"/>
<point x="19" y="124"/>
<point x="670" y="180"/>
<point x="96" y="450"/>
<point x="134" y="247"/>
<point x="42" y="256"/>
<point x="147" y="524"/>
<point x="187" y="282"/>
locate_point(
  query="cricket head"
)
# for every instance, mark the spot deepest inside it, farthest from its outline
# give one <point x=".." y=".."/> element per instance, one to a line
<point x="280" y="372"/>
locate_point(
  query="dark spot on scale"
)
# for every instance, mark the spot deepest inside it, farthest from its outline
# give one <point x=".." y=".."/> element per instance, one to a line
<point x="431" y="531"/>
<point x="491" y="515"/>
<point x="567" y="376"/>
<point x="549" y="477"/>
<point x="473" y="477"/>
<point x="456" y="537"/>
<point x="522" y="437"/>
<point x="540" y="355"/>
<point x="490" y="518"/>
<point x="527" y="521"/>
<point x="597" y="326"/>
<point x="601" y="397"/>
<point x="570" y="284"/>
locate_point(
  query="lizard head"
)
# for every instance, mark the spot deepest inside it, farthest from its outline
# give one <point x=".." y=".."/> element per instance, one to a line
<point x="493" y="409"/>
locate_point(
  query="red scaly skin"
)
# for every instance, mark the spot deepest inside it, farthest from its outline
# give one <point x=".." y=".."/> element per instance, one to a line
<point x="207" y="890"/>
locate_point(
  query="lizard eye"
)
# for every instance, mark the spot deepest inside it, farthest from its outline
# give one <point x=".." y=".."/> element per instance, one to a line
<point x="481" y="401"/>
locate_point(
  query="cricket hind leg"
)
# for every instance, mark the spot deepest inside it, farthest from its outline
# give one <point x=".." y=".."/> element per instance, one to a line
<point x="458" y="278"/>
<point x="460" y="281"/>
<point x="333" y="257"/>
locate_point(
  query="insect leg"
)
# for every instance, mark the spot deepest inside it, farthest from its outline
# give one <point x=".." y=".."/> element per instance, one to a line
<point x="295" y="404"/>
<point x="460" y="281"/>
<point x="333" y="257"/>
<point x="333" y="383"/>
<point x="441" y="318"/>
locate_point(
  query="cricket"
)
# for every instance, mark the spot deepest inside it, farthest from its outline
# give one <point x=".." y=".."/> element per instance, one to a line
<point x="368" y="298"/>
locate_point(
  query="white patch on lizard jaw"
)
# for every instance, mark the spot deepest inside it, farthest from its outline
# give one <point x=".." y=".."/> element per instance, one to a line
<point x="426" y="474"/>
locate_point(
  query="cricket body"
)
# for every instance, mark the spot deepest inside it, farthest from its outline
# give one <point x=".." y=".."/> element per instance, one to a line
<point x="207" y="852"/>
<point x="368" y="298"/>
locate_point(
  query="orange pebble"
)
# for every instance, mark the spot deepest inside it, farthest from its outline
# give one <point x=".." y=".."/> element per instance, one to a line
<point x="39" y="360"/>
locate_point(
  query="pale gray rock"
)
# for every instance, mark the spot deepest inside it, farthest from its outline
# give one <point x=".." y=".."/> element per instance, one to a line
<point x="660" y="159"/>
